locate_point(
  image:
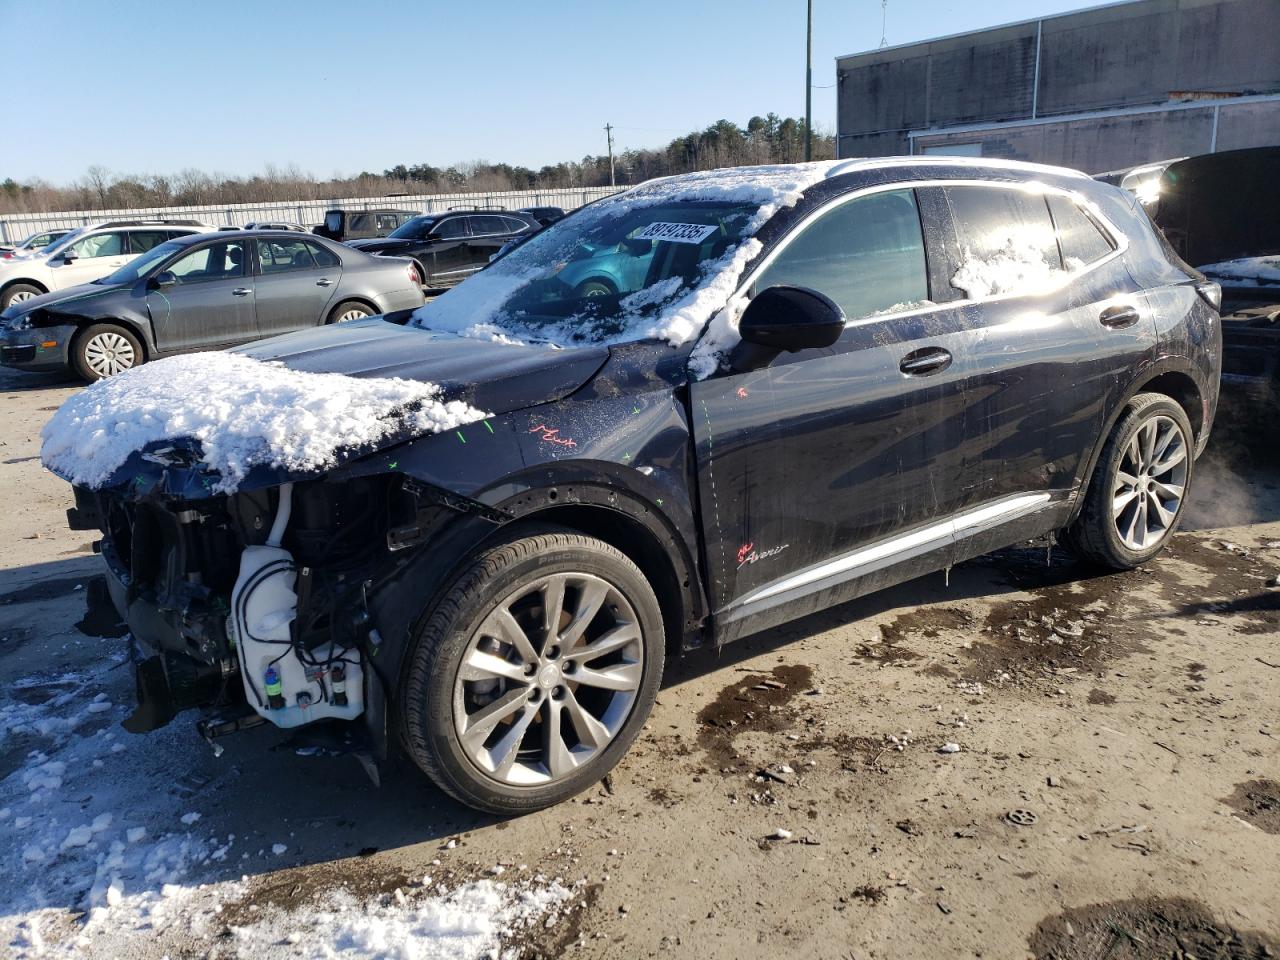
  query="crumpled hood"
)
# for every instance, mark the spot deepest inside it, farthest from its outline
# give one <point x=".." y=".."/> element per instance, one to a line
<point x="494" y="377"/>
<point x="62" y="301"/>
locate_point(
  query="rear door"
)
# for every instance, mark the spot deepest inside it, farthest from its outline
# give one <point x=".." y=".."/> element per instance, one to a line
<point x="823" y="472"/>
<point x="450" y="251"/>
<point x="295" y="282"/>
<point x="1053" y="323"/>
<point x="488" y="233"/>
<point x="209" y="302"/>
<point x="93" y="256"/>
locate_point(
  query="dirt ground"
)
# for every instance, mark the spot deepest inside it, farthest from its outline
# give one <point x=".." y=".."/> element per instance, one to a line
<point x="1114" y="792"/>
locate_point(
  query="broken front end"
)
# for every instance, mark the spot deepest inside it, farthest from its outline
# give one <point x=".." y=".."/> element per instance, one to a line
<point x="260" y="606"/>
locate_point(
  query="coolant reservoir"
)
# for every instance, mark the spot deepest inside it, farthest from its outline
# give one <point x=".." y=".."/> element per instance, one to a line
<point x="263" y="607"/>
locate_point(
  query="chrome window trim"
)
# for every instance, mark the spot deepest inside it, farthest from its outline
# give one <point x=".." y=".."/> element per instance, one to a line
<point x="1116" y="235"/>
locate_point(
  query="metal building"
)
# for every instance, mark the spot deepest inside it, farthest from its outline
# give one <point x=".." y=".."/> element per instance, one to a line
<point x="1097" y="89"/>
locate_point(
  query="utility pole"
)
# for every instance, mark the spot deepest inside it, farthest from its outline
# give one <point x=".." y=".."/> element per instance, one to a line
<point x="808" y="87"/>
<point x="608" y="133"/>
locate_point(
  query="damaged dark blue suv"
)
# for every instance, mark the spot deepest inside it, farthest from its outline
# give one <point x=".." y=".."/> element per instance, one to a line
<point x="476" y="531"/>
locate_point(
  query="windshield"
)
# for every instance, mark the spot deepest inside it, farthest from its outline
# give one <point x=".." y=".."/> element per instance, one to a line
<point x="415" y="229"/>
<point x="616" y="270"/>
<point x="137" y="268"/>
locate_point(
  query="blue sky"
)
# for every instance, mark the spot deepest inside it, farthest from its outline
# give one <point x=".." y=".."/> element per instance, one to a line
<point x="339" y="87"/>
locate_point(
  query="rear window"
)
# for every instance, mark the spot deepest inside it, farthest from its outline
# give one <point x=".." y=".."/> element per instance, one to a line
<point x="1082" y="241"/>
<point x="323" y="256"/>
<point x="333" y="221"/>
<point x="1007" y="241"/>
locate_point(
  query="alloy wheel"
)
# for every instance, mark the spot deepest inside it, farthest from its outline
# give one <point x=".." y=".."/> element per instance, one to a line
<point x="1150" y="483"/>
<point x="355" y="313"/>
<point x="22" y="295"/>
<point x="108" y="354"/>
<point x="549" y="679"/>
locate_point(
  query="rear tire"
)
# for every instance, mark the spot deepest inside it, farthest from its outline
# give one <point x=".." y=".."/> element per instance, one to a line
<point x="510" y="709"/>
<point x="17" y="292"/>
<point x="1139" y="488"/>
<point x="349" y="310"/>
<point x="103" y="350"/>
<point x="590" y="289"/>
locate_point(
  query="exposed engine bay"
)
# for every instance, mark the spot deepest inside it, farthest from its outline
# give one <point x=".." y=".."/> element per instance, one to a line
<point x="257" y="604"/>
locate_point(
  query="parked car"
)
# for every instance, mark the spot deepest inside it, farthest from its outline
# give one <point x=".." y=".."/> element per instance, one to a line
<point x="200" y="292"/>
<point x="276" y="225"/>
<point x="33" y="244"/>
<point x="343" y="225"/>
<point x="85" y="254"/>
<point x="449" y="247"/>
<point x="831" y="378"/>
<point x="544" y="215"/>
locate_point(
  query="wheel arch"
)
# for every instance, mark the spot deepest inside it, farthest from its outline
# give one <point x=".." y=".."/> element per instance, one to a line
<point x="1170" y="378"/>
<point x="26" y="281"/>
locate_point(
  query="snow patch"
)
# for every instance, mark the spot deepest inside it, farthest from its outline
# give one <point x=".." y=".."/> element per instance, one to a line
<point x="464" y="923"/>
<point x="244" y="412"/>
<point x="1013" y="267"/>
<point x="1246" y="271"/>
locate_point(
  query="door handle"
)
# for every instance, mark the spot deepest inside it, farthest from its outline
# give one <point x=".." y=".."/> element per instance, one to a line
<point x="921" y="363"/>
<point x="241" y="291"/>
<point x="1119" y="317"/>
<point x="324" y="282"/>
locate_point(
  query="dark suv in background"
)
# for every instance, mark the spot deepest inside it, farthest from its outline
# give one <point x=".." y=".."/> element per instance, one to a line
<point x="818" y="381"/>
<point x="449" y="247"/>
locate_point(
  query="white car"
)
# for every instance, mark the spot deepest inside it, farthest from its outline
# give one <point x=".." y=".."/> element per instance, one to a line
<point x="32" y="245"/>
<point x="86" y="254"/>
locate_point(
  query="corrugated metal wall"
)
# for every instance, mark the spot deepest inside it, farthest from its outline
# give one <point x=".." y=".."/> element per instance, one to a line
<point x="18" y="226"/>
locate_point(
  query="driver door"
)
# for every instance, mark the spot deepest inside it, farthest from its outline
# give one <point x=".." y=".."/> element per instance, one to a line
<point x="208" y="301"/>
<point x="826" y="473"/>
<point x="94" y="256"/>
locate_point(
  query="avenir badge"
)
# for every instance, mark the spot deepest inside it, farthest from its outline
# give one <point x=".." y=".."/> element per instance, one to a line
<point x="677" y="232"/>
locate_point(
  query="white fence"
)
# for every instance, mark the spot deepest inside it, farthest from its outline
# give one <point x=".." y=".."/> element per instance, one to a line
<point x="18" y="226"/>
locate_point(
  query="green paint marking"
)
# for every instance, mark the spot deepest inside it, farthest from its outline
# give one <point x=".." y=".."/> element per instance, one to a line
<point x="626" y="456"/>
<point x="659" y="501"/>
<point x="635" y="409"/>
<point x="487" y="427"/>
<point x="460" y="436"/>
<point x="393" y="464"/>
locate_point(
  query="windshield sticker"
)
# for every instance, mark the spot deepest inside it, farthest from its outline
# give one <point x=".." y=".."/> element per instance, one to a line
<point x="677" y="232"/>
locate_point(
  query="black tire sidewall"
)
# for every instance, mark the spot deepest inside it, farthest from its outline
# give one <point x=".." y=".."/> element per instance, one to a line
<point x="462" y="778"/>
<point x="17" y="288"/>
<point x="1104" y="480"/>
<point x="81" y="366"/>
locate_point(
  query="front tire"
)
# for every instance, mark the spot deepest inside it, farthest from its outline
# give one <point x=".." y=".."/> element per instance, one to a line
<point x="103" y="350"/>
<point x="533" y="674"/>
<point x="1138" y="490"/>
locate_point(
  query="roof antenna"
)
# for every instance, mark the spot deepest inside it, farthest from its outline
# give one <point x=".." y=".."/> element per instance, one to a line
<point x="884" y="19"/>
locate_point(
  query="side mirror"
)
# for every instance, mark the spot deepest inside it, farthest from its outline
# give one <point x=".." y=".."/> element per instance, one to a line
<point x="69" y="257"/>
<point x="785" y="318"/>
<point x="164" y="278"/>
<point x="638" y="248"/>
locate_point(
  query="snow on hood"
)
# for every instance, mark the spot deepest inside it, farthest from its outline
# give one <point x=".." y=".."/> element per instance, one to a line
<point x="682" y="311"/>
<point x="1247" y="271"/>
<point x="244" y="412"/>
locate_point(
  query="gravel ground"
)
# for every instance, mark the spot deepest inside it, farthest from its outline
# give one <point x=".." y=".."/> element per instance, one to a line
<point x="1112" y="790"/>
